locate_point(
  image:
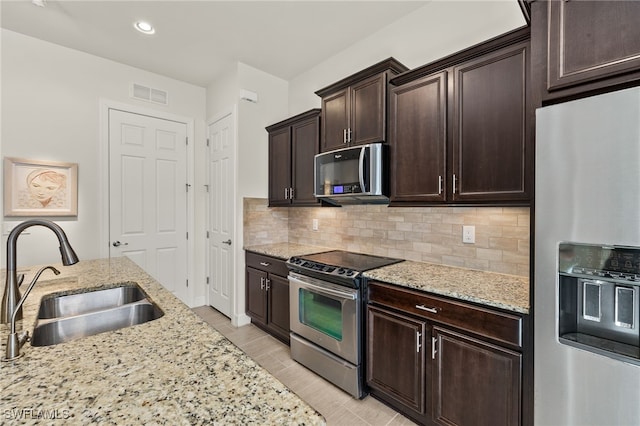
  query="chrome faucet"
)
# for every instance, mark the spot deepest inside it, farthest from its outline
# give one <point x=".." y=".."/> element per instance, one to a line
<point x="14" y="340"/>
<point x="11" y="295"/>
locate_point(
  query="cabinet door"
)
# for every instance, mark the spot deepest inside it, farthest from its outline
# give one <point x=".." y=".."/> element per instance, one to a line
<point x="278" y="306"/>
<point x="256" y="295"/>
<point x="395" y="358"/>
<point x="368" y="111"/>
<point x="418" y="137"/>
<point x="279" y="167"/>
<point x="590" y="40"/>
<point x="491" y="134"/>
<point x="474" y="383"/>
<point x="335" y="120"/>
<point x="305" y="144"/>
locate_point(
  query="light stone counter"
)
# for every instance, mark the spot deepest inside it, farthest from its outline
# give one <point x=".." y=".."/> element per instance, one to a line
<point x="285" y="250"/>
<point x="509" y="292"/>
<point x="175" y="370"/>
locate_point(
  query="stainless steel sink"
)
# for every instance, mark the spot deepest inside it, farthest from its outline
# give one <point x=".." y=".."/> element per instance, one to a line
<point x="70" y="317"/>
<point x="81" y="303"/>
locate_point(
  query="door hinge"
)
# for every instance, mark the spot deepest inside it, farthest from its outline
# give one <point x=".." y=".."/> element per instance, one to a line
<point x="207" y="234"/>
<point x="187" y="235"/>
<point x="188" y="186"/>
<point x="206" y="187"/>
<point x="186" y="140"/>
<point x="187" y="283"/>
<point x="207" y="280"/>
<point x="207" y="141"/>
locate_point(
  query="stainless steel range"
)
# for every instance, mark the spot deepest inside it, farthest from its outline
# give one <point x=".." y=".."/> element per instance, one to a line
<point x="327" y="305"/>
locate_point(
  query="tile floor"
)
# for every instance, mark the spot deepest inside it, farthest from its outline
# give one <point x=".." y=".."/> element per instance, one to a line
<point x="337" y="407"/>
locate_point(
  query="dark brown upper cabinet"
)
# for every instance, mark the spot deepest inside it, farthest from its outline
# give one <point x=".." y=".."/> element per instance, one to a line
<point x="292" y="146"/>
<point x="354" y="110"/>
<point x="461" y="129"/>
<point x="418" y="140"/>
<point x="582" y="48"/>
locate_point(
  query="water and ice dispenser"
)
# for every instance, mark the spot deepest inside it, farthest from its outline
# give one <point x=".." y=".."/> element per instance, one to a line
<point x="599" y="299"/>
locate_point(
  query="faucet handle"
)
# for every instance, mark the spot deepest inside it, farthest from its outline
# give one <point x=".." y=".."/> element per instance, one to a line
<point x="20" y="279"/>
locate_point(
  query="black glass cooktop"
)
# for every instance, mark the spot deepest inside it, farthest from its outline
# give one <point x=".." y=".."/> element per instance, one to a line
<point x="349" y="260"/>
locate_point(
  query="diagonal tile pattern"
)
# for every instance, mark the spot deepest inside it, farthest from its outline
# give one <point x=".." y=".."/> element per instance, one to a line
<point x="337" y="407"/>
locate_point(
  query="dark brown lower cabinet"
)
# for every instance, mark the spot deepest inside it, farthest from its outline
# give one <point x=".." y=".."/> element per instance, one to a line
<point x="395" y="364"/>
<point x="267" y="294"/>
<point x="474" y="383"/>
<point x="432" y="369"/>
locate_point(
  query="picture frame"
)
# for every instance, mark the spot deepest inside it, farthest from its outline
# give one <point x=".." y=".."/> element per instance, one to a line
<point x="40" y="188"/>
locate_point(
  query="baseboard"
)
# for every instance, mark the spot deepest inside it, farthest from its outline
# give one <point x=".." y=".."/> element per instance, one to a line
<point x="240" y="320"/>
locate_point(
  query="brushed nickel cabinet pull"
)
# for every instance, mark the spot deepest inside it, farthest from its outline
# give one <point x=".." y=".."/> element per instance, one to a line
<point x="434" y="342"/>
<point x="424" y="308"/>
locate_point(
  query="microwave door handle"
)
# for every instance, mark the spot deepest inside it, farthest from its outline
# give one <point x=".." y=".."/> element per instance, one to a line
<point x="361" y="169"/>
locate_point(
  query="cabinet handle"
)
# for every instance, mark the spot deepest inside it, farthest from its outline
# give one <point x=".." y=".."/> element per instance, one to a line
<point x="424" y="308"/>
<point x="434" y="342"/>
<point x="344" y="135"/>
<point x="265" y="263"/>
<point x="439" y="185"/>
<point x="267" y="284"/>
<point x="349" y="135"/>
<point x="454" y="183"/>
<point x="291" y="193"/>
<point x="418" y="345"/>
<point x="286" y="193"/>
<point x="262" y="280"/>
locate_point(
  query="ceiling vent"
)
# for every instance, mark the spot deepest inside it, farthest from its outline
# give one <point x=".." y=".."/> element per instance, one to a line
<point x="149" y="94"/>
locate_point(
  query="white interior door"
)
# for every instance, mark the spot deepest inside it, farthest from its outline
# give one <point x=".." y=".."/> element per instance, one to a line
<point x="148" y="196"/>
<point x="221" y="217"/>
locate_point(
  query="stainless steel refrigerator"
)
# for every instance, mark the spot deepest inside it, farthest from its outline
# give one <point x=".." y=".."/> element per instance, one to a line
<point x="587" y="192"/>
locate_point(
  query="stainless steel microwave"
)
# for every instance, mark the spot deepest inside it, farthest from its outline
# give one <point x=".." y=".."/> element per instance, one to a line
<point x="354" y="175"/>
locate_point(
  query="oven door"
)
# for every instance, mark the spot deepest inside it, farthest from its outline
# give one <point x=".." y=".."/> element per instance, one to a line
<point x="326" y="314"/>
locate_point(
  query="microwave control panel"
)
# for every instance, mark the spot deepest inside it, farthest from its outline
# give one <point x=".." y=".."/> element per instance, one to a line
<point x="350" y="188"/>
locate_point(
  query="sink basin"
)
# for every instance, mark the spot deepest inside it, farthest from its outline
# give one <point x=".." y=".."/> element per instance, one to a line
<point x="89" y="301"/>
<point x="69" y="317"/>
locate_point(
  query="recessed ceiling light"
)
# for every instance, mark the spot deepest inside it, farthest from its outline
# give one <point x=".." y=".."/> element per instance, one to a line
<point x="144" y="27"/>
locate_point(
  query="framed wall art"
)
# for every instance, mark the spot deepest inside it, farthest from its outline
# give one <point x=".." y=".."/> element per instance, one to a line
<point x="40" y="188"/>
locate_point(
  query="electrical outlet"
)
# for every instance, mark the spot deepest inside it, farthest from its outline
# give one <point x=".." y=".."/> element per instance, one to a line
<point x="314" y="225"/>
<point x="469" y="234"/>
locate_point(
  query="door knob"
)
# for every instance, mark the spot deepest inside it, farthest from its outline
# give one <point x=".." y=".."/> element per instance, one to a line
<point x="118" y="244"/>
<point x="228" y="242"/>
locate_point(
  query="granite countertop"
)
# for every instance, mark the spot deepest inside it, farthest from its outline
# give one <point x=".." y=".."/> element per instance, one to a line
<point x="175" y="370"/>
<point x="285" y="250"/>
<point x="509" y="292"/>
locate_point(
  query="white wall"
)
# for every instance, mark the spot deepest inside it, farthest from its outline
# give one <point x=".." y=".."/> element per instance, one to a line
<point x="252" y="146"/>
<point x="459" y="24"/>
<point x="50" y="111"/>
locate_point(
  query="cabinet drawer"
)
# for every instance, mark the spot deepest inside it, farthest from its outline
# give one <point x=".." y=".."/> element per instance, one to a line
<point x="267" y="263"/>
<point x="499" y="326"/>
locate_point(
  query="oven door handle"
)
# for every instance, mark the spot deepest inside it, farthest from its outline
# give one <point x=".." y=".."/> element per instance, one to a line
<point x="324" y="290"/>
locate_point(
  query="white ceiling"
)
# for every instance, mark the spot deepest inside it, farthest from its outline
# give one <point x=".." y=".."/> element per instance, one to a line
<point x="196" y="40"/>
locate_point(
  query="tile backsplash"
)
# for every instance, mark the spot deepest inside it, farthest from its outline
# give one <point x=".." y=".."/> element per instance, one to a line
<point x="424" y="234"/>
